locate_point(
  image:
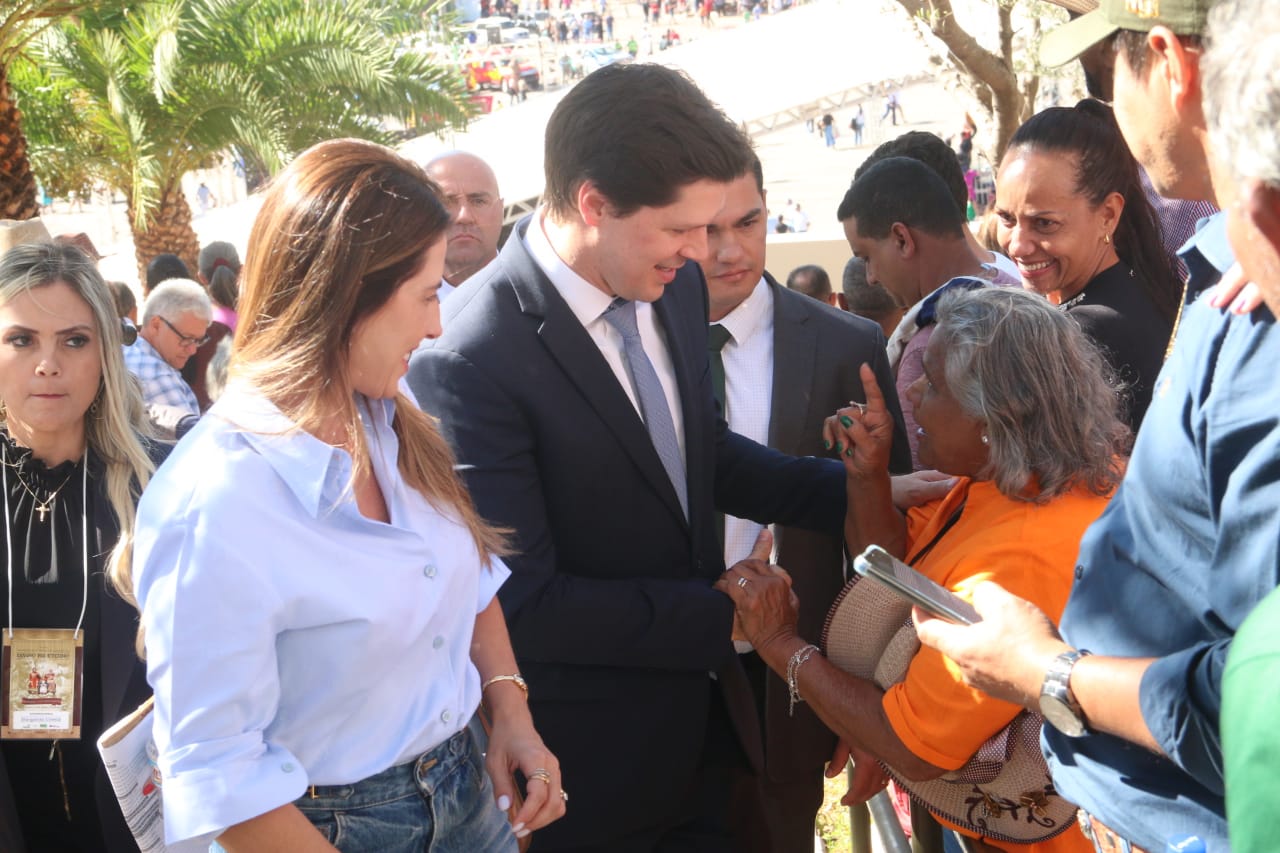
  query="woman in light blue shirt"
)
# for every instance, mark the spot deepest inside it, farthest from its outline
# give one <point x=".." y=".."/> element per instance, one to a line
<point x="317" y="590"/>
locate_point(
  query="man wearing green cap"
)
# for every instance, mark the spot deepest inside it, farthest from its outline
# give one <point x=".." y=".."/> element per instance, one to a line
<point x="1188" y="545"/>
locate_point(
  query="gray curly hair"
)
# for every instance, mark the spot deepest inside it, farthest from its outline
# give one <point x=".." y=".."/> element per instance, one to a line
<point x="1042" y="387"/>
<point x="1242" y="89"/>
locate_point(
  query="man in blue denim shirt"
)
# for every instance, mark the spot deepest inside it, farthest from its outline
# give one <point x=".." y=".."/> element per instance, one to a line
<point x="1188" y="544"/>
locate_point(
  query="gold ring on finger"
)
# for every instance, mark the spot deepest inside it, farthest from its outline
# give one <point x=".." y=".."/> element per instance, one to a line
<point x="564" y="795"/>
<point x="541" y="776"/>
<point x="742" y="582"/>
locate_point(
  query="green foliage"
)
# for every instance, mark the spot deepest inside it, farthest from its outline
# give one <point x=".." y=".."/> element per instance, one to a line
<point x="145" y="94"/>
<point x="69" y="159"/>
<point x="833" y="818"/>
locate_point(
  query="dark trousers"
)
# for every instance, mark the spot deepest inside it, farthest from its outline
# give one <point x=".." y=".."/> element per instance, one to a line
<point x="770" y="816"/>
<point x="702" y="824"/>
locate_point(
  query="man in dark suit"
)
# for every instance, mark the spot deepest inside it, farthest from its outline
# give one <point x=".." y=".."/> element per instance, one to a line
<point x="595" y="438"/>
<point x="788" y="361"/>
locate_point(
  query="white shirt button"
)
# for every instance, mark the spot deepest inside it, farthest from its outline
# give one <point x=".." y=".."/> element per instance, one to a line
<point x="287" y="767"/>
<point x="437" y="642"/>
<point x="446" y="717"/>
<point x="429" y="570"/>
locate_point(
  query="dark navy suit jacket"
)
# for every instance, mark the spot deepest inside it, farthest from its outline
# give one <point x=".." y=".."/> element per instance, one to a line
<point x="610" y="604"/>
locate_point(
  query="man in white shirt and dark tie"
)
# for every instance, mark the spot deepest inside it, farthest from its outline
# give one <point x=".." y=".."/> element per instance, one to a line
<point x="780" y="363"/>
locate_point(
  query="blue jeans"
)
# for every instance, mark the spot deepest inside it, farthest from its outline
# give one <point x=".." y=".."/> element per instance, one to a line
<point x="441" y="803"/>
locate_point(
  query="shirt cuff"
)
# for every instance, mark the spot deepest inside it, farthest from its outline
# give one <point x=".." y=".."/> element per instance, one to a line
<point x="209" y="800"/>
<point x="491" y="580"/>
<point x="1181" y="700"/>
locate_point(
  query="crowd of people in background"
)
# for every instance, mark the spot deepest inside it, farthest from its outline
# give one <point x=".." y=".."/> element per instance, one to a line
<point x="422" y="525"/>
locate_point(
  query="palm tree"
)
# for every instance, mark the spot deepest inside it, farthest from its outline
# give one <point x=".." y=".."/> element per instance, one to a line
<point x="174" y="84"/>
<point x="21" y="21"/>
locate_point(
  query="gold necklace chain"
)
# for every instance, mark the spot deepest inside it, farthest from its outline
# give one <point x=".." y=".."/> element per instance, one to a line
<point x="44" y="507"/>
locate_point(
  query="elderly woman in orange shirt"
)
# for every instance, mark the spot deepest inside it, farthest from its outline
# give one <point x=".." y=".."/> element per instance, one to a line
<point x="1015" y="403"/>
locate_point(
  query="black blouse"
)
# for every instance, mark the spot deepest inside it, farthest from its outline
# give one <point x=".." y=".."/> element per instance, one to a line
<point x="1116" y="313"/>
<point x="47" y="563"/>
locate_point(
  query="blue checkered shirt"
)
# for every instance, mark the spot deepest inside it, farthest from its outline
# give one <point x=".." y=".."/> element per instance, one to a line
<point x="161" y="384"/>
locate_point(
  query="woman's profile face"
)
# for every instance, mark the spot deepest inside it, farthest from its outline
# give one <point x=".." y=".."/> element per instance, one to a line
<point x="1054" y="235"/>
<point x="950" y="439"/>
<point x="50" y="360"/>
<point x="383" y="341"/>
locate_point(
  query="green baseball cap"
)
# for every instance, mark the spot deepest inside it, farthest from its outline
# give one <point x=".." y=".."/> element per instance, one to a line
<point x="1183" y="17"/>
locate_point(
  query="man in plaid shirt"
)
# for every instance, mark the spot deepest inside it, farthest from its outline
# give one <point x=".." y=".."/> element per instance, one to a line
<point x="174" y="321"/>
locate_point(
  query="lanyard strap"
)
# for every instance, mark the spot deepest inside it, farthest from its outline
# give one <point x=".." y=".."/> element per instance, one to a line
<point x="84" y="539"/>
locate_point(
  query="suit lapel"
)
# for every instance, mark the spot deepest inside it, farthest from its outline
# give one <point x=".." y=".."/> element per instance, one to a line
<point x="581" y="361"/>
<point x="795" y="351"/>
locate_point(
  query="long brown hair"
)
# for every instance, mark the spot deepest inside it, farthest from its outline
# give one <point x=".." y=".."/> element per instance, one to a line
<point x="339" y="230"/>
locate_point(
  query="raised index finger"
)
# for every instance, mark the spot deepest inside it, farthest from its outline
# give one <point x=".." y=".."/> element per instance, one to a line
<point x="871" y="388"/>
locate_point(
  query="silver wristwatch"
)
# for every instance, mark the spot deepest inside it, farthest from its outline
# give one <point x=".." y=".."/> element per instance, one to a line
<point x="1058" y="704"/>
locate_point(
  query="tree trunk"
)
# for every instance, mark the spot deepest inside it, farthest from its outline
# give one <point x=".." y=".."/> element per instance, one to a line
<point x="982" y="66"/>
<point x="167" y="231"/>
<point x="17" y="183"/>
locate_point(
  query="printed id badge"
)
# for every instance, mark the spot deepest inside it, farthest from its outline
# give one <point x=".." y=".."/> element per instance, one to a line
<point x="41" y="684"/>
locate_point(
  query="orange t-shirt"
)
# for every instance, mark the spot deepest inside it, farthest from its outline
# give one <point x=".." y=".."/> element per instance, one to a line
<point x="1030" y="550"/>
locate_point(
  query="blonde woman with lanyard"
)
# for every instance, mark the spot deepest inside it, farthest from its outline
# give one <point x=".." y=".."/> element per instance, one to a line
<point x="317" y="591"/>
<point x="74" y="464"/>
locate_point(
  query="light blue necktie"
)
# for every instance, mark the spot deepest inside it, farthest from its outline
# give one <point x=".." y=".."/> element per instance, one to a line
<point x="653" y="401"/>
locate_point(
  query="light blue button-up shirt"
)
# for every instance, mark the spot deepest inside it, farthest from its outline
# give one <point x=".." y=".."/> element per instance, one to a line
<point x="290" y="640"/>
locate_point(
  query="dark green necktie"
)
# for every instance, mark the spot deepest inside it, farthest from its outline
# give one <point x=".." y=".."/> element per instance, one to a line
<point x="717" y="337"/>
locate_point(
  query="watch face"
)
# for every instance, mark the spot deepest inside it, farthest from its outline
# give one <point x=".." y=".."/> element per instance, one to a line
<point x="1060" y="715"/>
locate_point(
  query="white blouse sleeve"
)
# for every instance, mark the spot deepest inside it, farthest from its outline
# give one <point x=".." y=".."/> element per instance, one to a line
<point x="211" y="616"/>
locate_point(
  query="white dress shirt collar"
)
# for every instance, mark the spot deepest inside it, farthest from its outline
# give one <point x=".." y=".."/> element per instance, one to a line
<point x="585" y="300"/>
<point x="749" y="316"/>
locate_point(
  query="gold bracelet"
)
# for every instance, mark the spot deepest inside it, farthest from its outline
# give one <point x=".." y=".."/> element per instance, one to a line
<point x="516" y="679"/>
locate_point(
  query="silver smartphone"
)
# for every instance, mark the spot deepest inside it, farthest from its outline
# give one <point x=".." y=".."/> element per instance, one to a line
<point x="877" y="563"/>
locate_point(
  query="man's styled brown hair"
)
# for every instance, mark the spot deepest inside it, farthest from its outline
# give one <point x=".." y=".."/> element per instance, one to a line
<point x="339" y="231"/>
<point x="639" y="133"/>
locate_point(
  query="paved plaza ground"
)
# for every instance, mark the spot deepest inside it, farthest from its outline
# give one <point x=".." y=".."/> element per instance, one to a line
<point x="799" y="56"/>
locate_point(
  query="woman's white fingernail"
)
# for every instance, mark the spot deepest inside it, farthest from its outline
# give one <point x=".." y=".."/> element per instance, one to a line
<point x="522" y="833"/>
<point x="518" y="828"/>
<point x="504" y="803"/>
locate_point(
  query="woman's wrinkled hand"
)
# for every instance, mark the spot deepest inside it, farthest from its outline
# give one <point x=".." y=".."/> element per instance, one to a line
<point x="765" y="608"/>
<point x="868" y="779"/>
<point x="862" y="435"/>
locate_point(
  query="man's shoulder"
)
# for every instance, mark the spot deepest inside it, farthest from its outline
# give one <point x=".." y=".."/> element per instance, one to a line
<point x="851" y="329"/>
<point x="488" y="300"/>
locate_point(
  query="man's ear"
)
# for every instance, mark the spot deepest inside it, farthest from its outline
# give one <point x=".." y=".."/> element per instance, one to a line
<point x="593" y="206"/>
<point x="903" y="240"/>
<point x="837" y="300"/>
<point x="1179" y="65"/>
